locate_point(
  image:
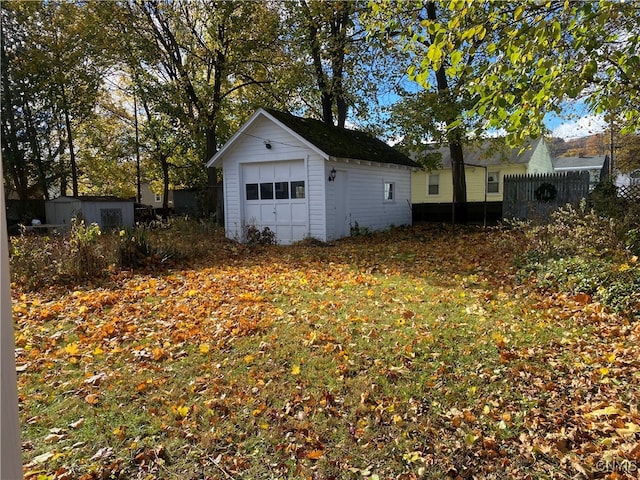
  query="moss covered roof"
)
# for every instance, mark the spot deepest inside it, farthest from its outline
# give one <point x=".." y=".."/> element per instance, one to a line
<point x="341" y="142"/>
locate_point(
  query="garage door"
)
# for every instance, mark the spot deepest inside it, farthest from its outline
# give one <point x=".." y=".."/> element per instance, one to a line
<point x="275" y="196"/>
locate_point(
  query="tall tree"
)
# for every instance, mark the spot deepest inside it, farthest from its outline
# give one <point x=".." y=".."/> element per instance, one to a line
<point x="541" y="57"/>
<point x="335" y="70"/>
<point x="205" y="54"/>
<point x="23" y="112"/>
<point x="206" y="49"/>
<point x="52" y="67"/>
<point x="326" y="32"/>
<point x="439" y="109"/>
<point x="71" y="48"/>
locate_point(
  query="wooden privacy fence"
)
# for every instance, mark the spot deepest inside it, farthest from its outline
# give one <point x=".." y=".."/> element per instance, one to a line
<point x="534" y="197"/>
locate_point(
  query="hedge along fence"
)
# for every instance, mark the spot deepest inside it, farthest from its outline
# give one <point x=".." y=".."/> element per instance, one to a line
<point x="534" y="197"/>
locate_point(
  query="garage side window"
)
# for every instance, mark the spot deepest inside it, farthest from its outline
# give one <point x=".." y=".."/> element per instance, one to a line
<point x="297" y="189"/>
<point x="388" y="191"/>
<point x="252" y="191"/>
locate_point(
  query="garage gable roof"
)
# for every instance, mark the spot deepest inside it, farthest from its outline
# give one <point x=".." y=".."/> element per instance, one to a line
<point x="329" y="140"/>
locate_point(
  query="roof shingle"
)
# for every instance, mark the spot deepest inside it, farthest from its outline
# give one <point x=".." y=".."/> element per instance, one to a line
<point x="341" y="142"/>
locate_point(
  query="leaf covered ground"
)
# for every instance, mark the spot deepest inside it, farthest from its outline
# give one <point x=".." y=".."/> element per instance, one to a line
<point x="415" y="353"/>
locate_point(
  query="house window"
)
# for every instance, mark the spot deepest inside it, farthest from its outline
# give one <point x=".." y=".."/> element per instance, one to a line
<point x="158" y="198"/>
<point x="433" y="188"/>
<point x="110" y="218"/>
<point x="297" y="189"/>
<point x="252" y="191"/>
<point x="388" y="191"/>
<point x="493" y="182"/>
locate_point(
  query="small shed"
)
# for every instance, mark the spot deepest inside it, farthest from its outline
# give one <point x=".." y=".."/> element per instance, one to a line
<point x="107" y="212"/>
<point x="303" y="178"/>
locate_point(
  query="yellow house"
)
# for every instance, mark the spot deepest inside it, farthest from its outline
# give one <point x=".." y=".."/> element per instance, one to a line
<point x="485" y="168"/>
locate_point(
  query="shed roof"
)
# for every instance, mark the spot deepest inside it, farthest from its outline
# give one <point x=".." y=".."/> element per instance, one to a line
<point x="342" y="142"/>
<point x="91" y="198"/>
<point x="332" y="141"/>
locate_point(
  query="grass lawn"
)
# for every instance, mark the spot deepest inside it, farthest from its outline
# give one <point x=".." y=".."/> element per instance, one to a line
<point x="407" y="354"/>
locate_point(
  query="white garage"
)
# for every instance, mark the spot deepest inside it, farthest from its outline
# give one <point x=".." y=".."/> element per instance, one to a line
<point x="302" y="178"/>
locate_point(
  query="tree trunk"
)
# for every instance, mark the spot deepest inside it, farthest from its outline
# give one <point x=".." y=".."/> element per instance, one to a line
<point x="164" y="163"/>
<point x="326" y="96"/>
<point x="72" y="155"/>
<point x="339" y="35"/>
<point x="35" y="148"/>
<point x="14" y="156"/>
<point x="63" y="167"/>
<point x="459" y="212"/>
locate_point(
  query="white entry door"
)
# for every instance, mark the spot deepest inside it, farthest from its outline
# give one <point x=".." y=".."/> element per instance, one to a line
<point x="275" y="196"/>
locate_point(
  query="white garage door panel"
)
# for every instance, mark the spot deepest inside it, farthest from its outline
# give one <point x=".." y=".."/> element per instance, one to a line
<point x="299" y="232"/>
<point x="252" y="213"/>
<point x="282" y="171"/>
<point x="299" y="213"/>
<point x="287" y="217"/>
<point x="267" y="214"/>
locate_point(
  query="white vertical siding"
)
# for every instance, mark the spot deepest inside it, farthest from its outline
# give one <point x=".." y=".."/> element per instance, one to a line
<point x="232" y="200"/>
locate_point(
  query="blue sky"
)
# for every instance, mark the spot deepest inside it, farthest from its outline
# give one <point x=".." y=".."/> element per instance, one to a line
<point x="576" y="121"/>
<point x="581" y="126"/>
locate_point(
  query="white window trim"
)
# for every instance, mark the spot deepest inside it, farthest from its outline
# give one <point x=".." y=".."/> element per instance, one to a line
<point x="392" y="191"/>
<point x="429" y="175"/>
<point x="157" y="197"/>
<point x="497" y="174"/>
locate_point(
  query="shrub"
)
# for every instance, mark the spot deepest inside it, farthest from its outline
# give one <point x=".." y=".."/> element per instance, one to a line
<point x="623" y="293"/>
<point x="253" y="236"/>
<point x="581" y="251"/>
<point x="33" y="260"/>
<point x="134" y="249"/>
<point x="40" y="261"/>
<point x="144" y="247"/>
<point x="86" y="259"/>
<point x="576" y="274"/>
<point x="632" y="241"/>
<point x="356" y="230"/>
<point x="575" y="231"/>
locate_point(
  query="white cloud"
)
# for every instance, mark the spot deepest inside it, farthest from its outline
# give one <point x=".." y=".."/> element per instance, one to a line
<point x="582" y="127"/>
